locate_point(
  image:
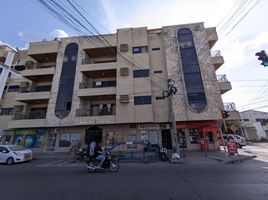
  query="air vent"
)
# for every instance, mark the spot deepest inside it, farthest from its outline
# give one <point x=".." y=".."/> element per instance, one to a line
<point x="123" y="47"/>
<point x="124" y="71"/>
<point x="124" y="98"/>
<point x="165" y="126"/>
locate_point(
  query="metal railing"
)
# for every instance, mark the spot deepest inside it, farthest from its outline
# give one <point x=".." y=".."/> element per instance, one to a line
<point x="41" y="88"/>
<point x="95" y="112"/>
<point x="230" y="107"/>
<point x="216" y="53"/>
<point x="30" y="115"/>
<point x="98" y="60"/>
<point x="39" y="65"/>
<point x="97" y="84"/>
<point x="222" y="78"/>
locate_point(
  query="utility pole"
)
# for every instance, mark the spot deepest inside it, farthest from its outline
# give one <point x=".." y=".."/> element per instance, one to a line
<point x="5" y="72"/>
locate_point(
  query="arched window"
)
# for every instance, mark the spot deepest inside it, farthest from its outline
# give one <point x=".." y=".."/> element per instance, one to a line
<point x="191" y="70"/>
<point x="66" y="84"/>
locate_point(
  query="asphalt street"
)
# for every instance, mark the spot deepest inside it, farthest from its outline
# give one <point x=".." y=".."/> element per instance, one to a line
<point x="205" y="179"/>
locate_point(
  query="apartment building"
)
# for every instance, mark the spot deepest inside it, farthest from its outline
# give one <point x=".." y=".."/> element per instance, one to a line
<point x="254" y="124"/>
<point x="109" y="88"/>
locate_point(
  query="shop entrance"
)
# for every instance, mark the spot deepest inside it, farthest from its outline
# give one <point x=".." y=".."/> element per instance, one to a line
<point x="93" y="134"/>
<point x="166" y="139"/>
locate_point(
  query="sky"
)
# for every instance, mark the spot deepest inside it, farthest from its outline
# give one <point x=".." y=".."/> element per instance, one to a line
<point x="23" y="21"/>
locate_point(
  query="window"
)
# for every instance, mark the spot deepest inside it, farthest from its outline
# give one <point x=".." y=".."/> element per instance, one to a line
<point x="4" y="150"/>
<point x="155" y="49"/>
<point x="141" y="73"/>
<point x="158" y="72"/>
<point x="193" y="136"/>
<point x="191" y="70"/>
<point x="209" y="137"/>
<point x="246" y="120"/>
<point x="69" y="139"/>
<point x="141" y="49"/>
<point x="6" y="111"/>
<point x="142" y="100"/>
<point x="14" y="88"/>
<point x="131" y="137"/>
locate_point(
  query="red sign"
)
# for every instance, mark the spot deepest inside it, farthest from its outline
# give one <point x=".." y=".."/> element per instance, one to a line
<point x="232" y="148"/>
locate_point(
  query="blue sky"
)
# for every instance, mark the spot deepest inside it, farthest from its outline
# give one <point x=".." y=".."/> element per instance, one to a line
<point x="24" y="21"/>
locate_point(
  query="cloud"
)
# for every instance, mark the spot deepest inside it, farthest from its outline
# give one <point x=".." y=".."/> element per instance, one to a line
<point x="33" y="36"/>
<point x="57" y="33"/>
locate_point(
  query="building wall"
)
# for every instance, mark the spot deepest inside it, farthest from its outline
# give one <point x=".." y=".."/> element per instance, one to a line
<point x="211" y="86"/>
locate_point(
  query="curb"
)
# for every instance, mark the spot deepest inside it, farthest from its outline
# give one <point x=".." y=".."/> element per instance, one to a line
<point x="233" y="160"/>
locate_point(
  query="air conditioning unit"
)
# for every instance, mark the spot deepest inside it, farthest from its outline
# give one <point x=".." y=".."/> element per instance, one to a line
<point x="124" y="71"/>
<point x="124" y="98"/>
<point x="18" y="108"/>
<point x="123" y="47"/>
<point x="29" y="64"/>
<point x="165" y="126"/>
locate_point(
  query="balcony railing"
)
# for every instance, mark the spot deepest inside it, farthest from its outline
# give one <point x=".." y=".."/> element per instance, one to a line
<point x="222" y="78"/>
<point x="95" y="112"/>
<point x="41" y="88"/>
<point x="229" y="107"/>
<point x="30" y="115"/>
<point x="216" y="53"/>
<point x="97" y="84"/>
<point x="98" y="60"/>
<point x="32" y="65"/>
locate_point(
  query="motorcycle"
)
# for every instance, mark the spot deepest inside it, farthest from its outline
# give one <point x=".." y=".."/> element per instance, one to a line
<point x="109" y="163"/>
<point x="81" y="155"/>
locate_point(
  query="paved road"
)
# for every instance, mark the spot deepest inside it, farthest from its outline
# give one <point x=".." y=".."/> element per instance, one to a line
<point x="60" y="179"/>
<point x="259" y="149"/>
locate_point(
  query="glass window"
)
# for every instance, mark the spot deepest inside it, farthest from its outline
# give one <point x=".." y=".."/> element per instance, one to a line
<point x="64" y="140"/>
<point x="75" y="139"/>
<point x="6" y="111"/>
<point x="155" y="49"/>
<point x="141" y="49"/>
<point x="153" y="137"/>
<point x="209" y="136"/>
<point x="144" y="135"/>
<point x="158" y="71"/>
<point x="141" y="73"/>
<point x="191" y="70"/>
<point x="193" y="136"/>
<point x="142" y="100"/>
<point x="131" y="137"/>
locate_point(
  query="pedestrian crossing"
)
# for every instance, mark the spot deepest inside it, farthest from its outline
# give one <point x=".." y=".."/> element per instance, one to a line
<point x="63" y="163"/>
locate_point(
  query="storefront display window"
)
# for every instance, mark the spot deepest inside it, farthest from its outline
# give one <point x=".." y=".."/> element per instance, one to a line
<point x="131" y="137"/>
<point x="29" y="141"/>
<point x="18" y="139"/>
<point x="153" y="139"/>
<point x="193" y="136"/>
<point x="144" y="136"/>
<point x="209" y="136"/>
<point x="69" y="139"/>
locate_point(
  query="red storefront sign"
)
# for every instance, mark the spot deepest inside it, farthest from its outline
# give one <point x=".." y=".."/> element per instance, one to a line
<point x="231" y="147"/>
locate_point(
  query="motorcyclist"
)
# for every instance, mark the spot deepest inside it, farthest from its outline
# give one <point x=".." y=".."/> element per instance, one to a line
<point x="96" y="152"/>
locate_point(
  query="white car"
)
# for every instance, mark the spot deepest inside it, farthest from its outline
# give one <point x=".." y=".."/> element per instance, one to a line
<point x="239" y="140"/>
<point x="10" y="154"/>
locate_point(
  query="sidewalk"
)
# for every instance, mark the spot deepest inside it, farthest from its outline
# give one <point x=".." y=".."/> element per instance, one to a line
<point x="52" y="155"/>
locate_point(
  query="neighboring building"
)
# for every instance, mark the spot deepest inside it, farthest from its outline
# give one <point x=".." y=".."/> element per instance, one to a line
<point x="255" y="124"/>
<point x="79" y="88"/>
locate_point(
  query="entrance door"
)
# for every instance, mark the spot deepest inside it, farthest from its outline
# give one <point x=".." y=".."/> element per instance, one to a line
<point x="166" y="139"/>
<point x="93" y="134"/>
<point x="51" y="141"/>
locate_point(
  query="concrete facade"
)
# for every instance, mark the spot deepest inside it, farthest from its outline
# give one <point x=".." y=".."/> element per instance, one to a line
<point x="107" y="97"/>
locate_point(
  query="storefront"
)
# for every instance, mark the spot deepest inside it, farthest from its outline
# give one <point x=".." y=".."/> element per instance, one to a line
<point x="31" y="138"/>
<point x="192" y="135"/>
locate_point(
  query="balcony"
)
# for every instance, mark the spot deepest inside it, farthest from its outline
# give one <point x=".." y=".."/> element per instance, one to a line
<point x="233" y="113"/>
<point x="34" y="94"/>
<point x="217" y="59"/>
<point x="97" y="88"/>
<point x="31" y="119"/>
<point x="212" y="36"/>
<point x="43" y="47"/>
<point x="225" y="85"/>
<point x="95" y="116"/>
<point x="39" y="72"/>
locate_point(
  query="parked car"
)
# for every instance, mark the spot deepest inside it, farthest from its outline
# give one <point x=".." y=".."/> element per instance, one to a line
<point x="10" y="154"/>
<point x="239" y="140"/>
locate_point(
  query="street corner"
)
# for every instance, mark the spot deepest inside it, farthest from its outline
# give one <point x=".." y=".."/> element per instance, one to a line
<point x="238" y="159"/>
